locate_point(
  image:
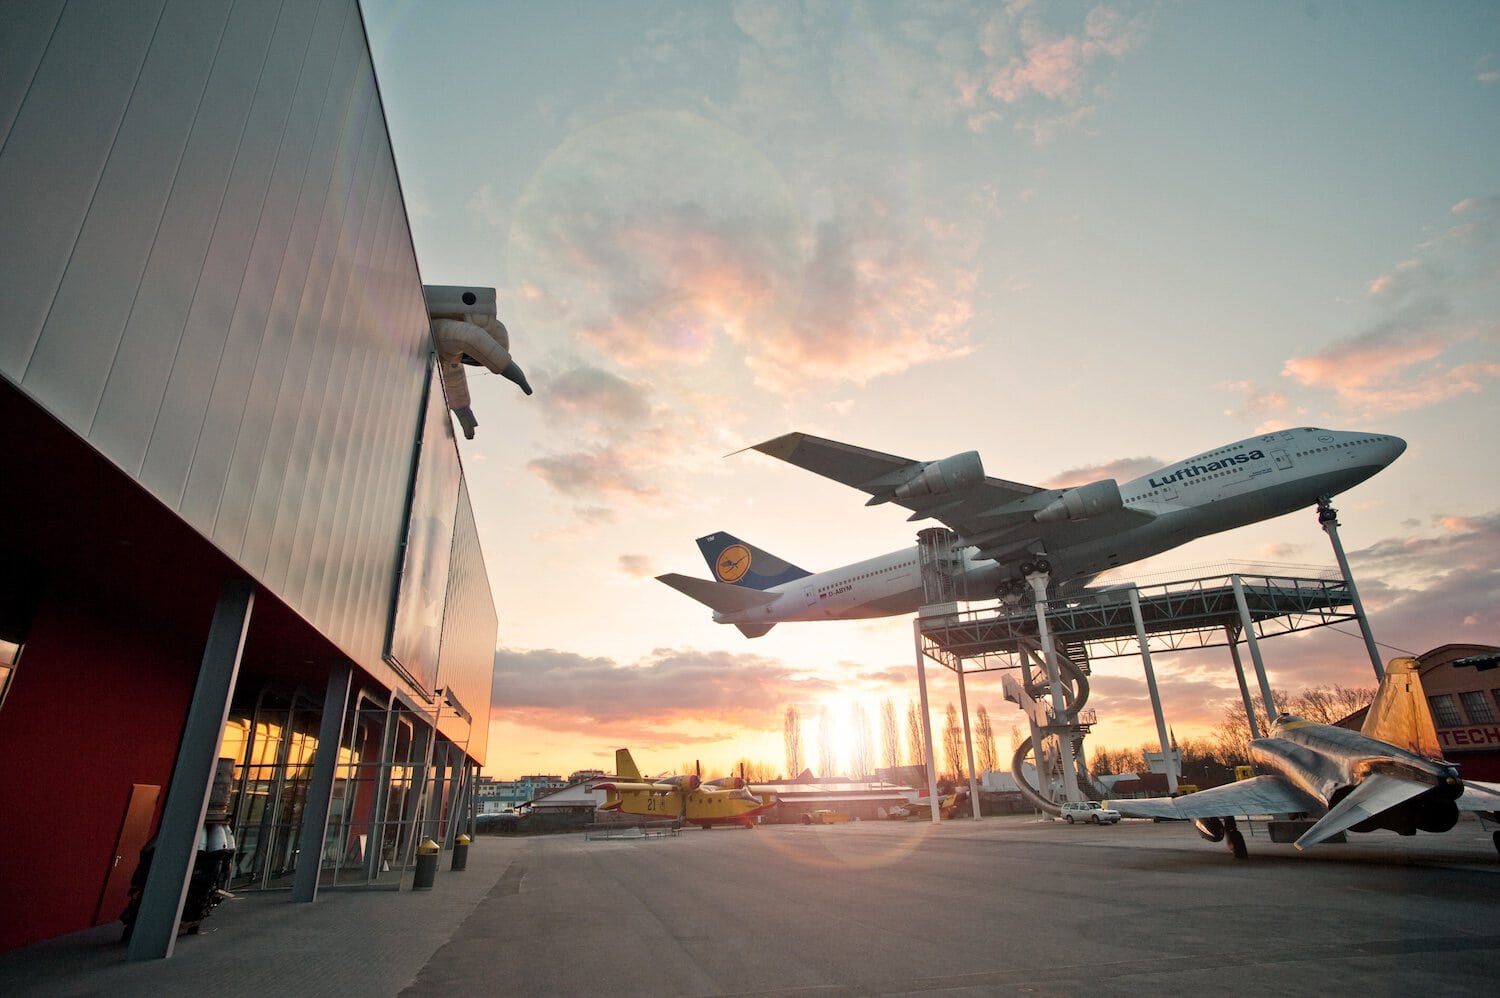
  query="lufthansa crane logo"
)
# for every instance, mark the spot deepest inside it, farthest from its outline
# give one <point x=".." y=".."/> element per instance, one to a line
<point x="733" y="563"/>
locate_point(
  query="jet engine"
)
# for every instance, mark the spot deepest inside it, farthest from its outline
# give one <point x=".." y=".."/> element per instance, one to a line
<point x="1083" y="502"/>
<point x="951" y="474"/>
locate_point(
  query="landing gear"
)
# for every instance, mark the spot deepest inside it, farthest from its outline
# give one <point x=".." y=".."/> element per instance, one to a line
<point x="1040" y="566"/>
<point x="1235" y="839"/>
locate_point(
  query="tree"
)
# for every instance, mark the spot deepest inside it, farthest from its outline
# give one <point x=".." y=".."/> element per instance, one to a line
<point x="890" y="734"/>
<point x="953" y="743"/>
<point x="792" y="734"/>
<point x="988" y="760"/>
<point x="863" y="761"/>
<point x="1323" y="704"/>
<point x="827" y="760"/>
<point x="754" y="770"/>
<point x="916" y="744"/>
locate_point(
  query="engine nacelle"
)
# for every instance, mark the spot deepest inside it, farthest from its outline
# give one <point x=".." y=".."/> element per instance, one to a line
<point x="951" y="474"/>
<point x="1083" y="502"/>
<point x="727" y="783"/>
<point x="687" y="782"/>
<point x="1210" y="828"/>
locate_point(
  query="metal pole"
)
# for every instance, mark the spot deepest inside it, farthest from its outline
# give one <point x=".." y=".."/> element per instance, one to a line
<point x="1161" y="723"/>
<point x="963" y="705"/>
<point x="1329" y="518"/>
<point x="155" y="932"/>
<point x="926" y="721"/>
<point x="1267" y="700"/>
<point x="1239" y="673"/>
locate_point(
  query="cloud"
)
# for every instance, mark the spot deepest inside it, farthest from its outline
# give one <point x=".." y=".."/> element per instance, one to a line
<point x="592" y="473"/>
<point x="1434" y="323"/>
<point x="1122" y="470"/>
<point x="562" y="691"/>
<point x="637" y="566"/>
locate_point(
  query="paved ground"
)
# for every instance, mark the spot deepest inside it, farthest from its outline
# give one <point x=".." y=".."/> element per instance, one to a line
<point x="1001" y="906"/>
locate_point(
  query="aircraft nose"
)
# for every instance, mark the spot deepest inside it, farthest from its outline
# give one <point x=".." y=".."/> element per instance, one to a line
<point x="1396" y="447"/>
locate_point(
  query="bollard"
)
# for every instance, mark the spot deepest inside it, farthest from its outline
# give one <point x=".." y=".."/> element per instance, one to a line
<point x="460" y="853"/>
<point x="427" y="857"/>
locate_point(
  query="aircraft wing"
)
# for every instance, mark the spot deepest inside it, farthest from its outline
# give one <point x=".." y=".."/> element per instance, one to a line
<point x="995" y="515"/>
<point x="627" y="786"/>
<point x="1259" y="795"/>
<point x="1480" y="797"/>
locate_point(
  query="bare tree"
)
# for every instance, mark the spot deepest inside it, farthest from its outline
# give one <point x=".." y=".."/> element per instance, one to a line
<point x="1231" y="736"/>
<point x="988" y="760"/>
<point x="1330" y="704"/>
<point x="792" y="733"/>
<point x="890" y="734"/>
<point x="916" y="744"/>
<point x="827" y="759"/>
<point x="953" y="743"/>
<point x="754" y="770"/>
<point x="863" y="761"/>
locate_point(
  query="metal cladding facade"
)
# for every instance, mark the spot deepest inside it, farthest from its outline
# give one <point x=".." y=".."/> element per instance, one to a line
<point x="207" y="280"/>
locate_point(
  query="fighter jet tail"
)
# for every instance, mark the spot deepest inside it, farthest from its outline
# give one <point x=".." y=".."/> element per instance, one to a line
<point x="1400" y="715"/>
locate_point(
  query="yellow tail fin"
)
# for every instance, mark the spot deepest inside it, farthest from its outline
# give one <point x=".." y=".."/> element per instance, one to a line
<point x="1400" y="714"/>
<point x="625" y="766"/>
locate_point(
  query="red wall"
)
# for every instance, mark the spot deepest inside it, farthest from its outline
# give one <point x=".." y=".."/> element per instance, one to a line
<point x="97" y="704"/>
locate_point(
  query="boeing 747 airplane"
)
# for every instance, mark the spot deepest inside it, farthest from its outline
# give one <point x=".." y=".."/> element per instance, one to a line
<point x="1008" y="532"/>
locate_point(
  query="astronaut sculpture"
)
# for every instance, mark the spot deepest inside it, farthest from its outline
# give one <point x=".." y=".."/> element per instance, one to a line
<point x="465" y="330"/>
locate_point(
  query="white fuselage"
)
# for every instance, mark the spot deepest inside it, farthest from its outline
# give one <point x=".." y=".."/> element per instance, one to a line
<point x="1240" y="483"/>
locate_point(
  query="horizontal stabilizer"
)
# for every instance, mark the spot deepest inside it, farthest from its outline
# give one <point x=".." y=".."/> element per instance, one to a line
<point x="720" y="596"/>
<point x="1480" y="797"/>
<point x="1375" y="794"/>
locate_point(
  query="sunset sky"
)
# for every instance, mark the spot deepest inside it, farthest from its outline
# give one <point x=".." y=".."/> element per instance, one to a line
<point x="1082" y="239"/>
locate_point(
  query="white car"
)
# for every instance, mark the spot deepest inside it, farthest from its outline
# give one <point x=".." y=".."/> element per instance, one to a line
<point x="1089" y="810"/>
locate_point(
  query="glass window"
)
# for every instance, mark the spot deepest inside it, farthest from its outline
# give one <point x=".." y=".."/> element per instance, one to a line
<point x="1477" y="706"/>
<point x="1445" y="710"/>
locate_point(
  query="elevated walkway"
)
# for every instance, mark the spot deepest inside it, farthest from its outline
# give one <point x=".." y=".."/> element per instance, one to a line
<point x="1192" y="613"/>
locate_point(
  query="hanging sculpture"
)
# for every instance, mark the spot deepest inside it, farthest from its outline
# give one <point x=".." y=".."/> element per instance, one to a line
<point x="465" y="330"/>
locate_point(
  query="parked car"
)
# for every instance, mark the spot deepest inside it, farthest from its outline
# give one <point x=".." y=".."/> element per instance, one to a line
<point x="1089" y="810"/>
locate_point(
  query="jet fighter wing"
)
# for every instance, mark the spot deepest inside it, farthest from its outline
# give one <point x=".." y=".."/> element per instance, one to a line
<point x="1258" y="795"/>
<point x="1002" y="518"/>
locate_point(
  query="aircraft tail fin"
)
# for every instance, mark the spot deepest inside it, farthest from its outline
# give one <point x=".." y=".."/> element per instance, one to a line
<point x="625" y="767"/>
<point x="738" y="563"/>
<point x="754" y="630"/>
<point x="1400" y="714"/>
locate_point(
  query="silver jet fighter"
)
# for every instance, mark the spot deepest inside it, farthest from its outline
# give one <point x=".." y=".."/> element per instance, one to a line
<point x="1390" y="774"/>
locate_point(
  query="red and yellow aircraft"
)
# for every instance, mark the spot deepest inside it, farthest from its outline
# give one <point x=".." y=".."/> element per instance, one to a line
<point x="725" y="801"/>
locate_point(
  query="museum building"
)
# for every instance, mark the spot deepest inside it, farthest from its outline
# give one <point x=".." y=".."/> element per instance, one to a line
<point x="235" y="534"/>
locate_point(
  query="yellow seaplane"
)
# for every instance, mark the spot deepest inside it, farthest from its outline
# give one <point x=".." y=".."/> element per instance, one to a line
<point x="688" y="799"/>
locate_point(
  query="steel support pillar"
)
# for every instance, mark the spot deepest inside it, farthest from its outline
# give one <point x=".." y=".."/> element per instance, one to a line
<point x="963" y="705"/>
<point x="320" y="790"/>
<point x="1329" y="518"/>
<point x="155" y="932"/>
<point x="1239" y="674"/>
<point x="1161" y="722"/>
<point x="1268" y="701"/>
<point x="1060" y="713"/>
<point x="926" y="721"/>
